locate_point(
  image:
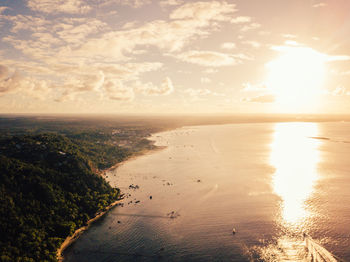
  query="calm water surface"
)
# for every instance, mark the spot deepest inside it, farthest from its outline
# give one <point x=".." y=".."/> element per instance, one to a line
<point x="270" y="182"/>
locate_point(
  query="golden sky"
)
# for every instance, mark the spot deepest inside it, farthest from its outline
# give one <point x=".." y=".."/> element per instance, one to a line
<point x="174" y="56"/>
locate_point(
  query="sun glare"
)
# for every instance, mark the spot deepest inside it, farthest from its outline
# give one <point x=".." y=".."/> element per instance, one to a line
<point x="296" y="78"/>
<point x="295" y="157"/>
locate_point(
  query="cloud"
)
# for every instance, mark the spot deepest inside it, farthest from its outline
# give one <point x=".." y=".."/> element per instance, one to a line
<point x="59" y="6"/>
<point x="198" y="94"/>
<point x="340" y="91"/>
<point x="77" y="84"/>
<point x="260" y="99"/>
<point x="150" y="89"/>
<point x="115" y="90"/>
<point x="165" y="3"/>
<point x="251" y="26"/>
<point x="205" y="80"/>
<point x="11" y="81"/>
<point x="82" y="39"/>
<point x="331" y="58"/>
<point x="27" y="22"/>
<point x="173" y="36"/>
<point x="228" y="45"/>
<point x="207" y="58"/>
<point x="248" y="87"/>
<point x="289" y="36"/>
<point x="204" y="11"/>
<point x="4" y="72"/>
<point x="131" y="3"/>
<point x="131" y="24"/>
<point x="292" y="46"/>
<point x="210" y="71"/>
<point x="76" y="31"/>
<point x="128" y="71"/>
<point x="3" y="8"/>
<point x="342" y="73"/>
<point x="319" y="5"/>
<point x="241" y="20"/>
<point x="253" y="44"/>
<point x="70" y="56"/>
<point x="99" y="83"/>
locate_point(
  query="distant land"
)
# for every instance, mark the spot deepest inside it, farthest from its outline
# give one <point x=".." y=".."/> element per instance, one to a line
<point x="50" y="164"/>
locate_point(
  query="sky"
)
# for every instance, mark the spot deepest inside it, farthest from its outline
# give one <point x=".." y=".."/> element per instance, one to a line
<point x="175" y="56"/>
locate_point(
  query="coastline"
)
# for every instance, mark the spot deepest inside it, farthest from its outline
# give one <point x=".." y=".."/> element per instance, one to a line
<point x="132" y="157"/>
<point x="70" y="239"/>
<point x="77" y="233"/>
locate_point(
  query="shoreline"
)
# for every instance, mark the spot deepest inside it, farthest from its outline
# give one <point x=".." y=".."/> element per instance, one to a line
<point x="77" y="233"/>
<point x="132" y="157"/>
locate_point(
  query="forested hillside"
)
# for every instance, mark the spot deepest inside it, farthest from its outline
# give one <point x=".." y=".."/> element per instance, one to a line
<point x="48" y="188"/>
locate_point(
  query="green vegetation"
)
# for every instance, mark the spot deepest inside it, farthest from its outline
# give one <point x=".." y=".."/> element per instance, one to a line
<point x="49" y="184"/>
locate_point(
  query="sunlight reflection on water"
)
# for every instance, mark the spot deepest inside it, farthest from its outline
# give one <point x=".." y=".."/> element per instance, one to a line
<point x="295" y="157"/>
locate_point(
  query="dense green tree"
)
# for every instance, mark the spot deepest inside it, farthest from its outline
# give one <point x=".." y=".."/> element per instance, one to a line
<point x="48" y="189"/>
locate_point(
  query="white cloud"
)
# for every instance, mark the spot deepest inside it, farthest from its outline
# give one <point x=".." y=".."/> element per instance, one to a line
<point x="251" y="26"/>
<point x="128" y="71"/>
<point x="70" y="56"/>
<point x="207" y="58"/>
<point x="173" y="36"/>
<point x="85" y="82"/>
<point x="102" y="79"/>
<point x="150" y="89"/>
<point x="248" y="87"/>
<point x="204" y="11"/>
<point x="165" y="3"/>
<point x="331" y="58"/>
<point x="340" y="91"/>
<point x="292" y="46"/>
<point x="115" y="90"/>
<point x="131" y="24"/>
<point x="59" y="6"/>
<point x="198" y="94"/>
<point x="319" y="5"/>
<point x="210" y="71"/>
<point x="241" y="20"/>
<point x="11" y="81"/>
<point x="253" y="44"/>
<point x="289" y="36"/>
<point x="228" y="45"/>
<point x="76" y="31"/>
<point x="27" y="22"/>
<point x="131" y="3"/>
<point x="205" y="80"/>
<point x="260" y="99"/>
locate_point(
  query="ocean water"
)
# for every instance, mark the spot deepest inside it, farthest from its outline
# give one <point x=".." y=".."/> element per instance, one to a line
<point x="270" y="182"/>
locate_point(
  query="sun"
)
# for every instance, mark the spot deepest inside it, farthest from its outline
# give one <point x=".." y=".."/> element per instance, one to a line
<point x="296" y="78"/>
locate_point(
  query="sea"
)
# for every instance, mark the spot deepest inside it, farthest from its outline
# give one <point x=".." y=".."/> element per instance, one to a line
<point x="234" y="192"/>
